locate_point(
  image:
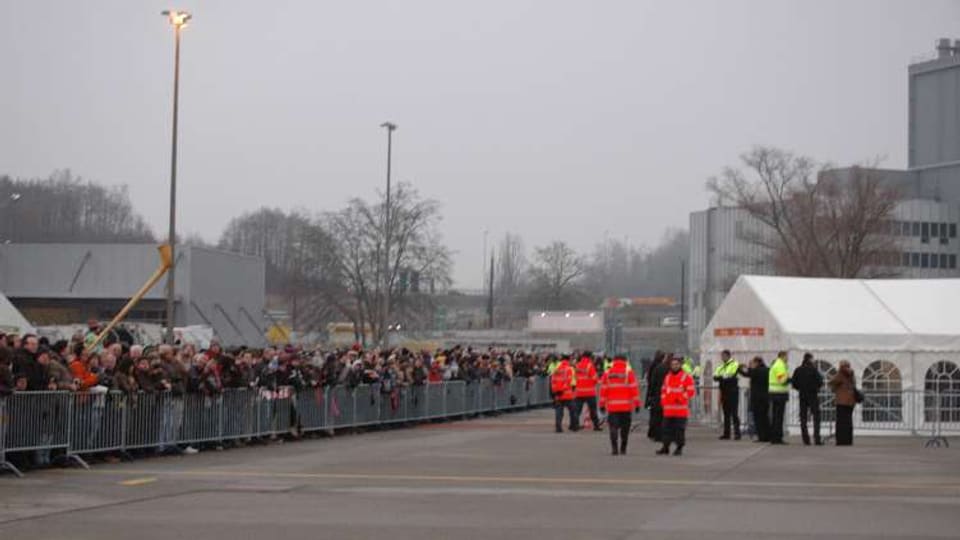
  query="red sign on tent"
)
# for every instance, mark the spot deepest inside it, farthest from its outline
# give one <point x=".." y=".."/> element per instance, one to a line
<point x="738" y="332"/>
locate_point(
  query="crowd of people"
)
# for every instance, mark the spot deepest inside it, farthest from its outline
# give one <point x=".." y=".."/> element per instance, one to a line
<point x="31" y="363"/>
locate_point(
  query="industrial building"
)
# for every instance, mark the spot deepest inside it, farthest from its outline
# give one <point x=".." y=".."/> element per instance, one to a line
<point x="53" y="284"/>
<point x="924" y="224"/>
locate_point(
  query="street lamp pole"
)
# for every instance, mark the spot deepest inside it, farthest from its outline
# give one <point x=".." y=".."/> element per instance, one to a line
<point x="178" y="19"/>
<point x="385" y="305"/>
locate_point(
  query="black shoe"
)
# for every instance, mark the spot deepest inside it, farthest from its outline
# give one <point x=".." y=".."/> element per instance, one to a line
<point x="663" y="451"/>
<point x="778" y="442"/>
<point x="623" y="450"/>
<point x="597" y="428"/>
<point x="559" y="430"/>
<point x="806" y="443"/>
<point x="724" y="437"/>
<point x="818" y="443"/>
<point x="736" y="437"/>
<point x="614" y="452"/>
<point x="678" y="451"/>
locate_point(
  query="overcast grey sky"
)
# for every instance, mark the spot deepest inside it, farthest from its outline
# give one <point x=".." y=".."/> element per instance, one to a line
<point x="552" y="119"/>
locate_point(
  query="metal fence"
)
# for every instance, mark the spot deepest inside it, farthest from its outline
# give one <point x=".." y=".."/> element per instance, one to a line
<point x="67" y="426"/>
<point x="924" y="413"/>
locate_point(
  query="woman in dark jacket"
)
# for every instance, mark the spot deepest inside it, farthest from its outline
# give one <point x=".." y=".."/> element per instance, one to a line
<point x="844" y="386"/>
<point x="759" y="396"/>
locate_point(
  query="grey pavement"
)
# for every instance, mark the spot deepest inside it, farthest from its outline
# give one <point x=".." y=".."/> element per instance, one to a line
<point x="503" y="477"/>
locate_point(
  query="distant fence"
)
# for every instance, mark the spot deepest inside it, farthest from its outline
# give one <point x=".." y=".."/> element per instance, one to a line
<point x="75" y="424"/>
<point x="929" y="413"/>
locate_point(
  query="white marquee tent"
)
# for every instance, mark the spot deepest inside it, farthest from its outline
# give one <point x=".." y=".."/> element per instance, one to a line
<point x="10" y="318"/>
<point x="897" y="334"/>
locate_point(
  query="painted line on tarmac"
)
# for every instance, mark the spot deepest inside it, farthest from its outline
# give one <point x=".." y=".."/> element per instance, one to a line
<point x="546" y="480"/>
<point x="138" y="481"/>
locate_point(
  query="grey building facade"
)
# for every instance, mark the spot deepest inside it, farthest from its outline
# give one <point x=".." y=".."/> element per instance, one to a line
<point x="924" y="224"/>
<point x="70" y="283"/>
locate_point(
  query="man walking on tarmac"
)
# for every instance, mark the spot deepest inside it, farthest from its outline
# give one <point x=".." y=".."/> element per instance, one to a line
<point x="808" y="381"/>
<point x="563" y="385"/>
<point x="779" y="379"/>
<point x="587" y="389"/>
<point x="619" y="395"/>
<point x="658" y="371"/>
<point x="675" y="397"/>
<point x="726" y="374"/>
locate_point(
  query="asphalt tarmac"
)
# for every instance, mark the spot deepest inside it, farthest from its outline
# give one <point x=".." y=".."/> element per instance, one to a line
<point x="499" y="478"/>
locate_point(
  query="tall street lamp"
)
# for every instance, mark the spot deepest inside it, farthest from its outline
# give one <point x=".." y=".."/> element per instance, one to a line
<point x="390" y="127"/>
<point x="179" y="20"/>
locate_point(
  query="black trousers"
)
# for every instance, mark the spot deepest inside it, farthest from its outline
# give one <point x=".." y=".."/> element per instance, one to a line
<point x="568" y="405"/>
<point x="730" y="399"/>
<point x="844" y="425"/>
<point x="761" y="417"/>
<point x="674" y="431"/>
<point x="778" y="405"/>
<point x="618" y="424"/>
<point x="810" y="407"/>
<point x="591" y="402"/>
<point x="655" y="431"/>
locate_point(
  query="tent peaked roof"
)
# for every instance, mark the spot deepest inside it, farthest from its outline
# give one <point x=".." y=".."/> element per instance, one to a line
<point x="766" y="313"/>
<point x="10" y="318"/>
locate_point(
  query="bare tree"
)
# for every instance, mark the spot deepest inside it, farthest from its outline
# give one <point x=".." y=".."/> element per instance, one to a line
<point x="418" y="259"/>
<point x="511" y="266"/>
<point x="556" y="275"/>
<point x="818" y="222"/>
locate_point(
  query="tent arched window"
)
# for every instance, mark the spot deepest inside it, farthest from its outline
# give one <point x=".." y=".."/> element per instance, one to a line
<point x="882" y="387"/>
<point x="828" y="411"/>
<point x="941" y="396"/>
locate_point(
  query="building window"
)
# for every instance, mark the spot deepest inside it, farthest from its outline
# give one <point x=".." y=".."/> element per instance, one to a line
<point x="925" y="232"/>
<point x="934" y="230"/>
<point x="905" y="231"/>
<point x="953" y="230"/>
<point x="934" y="261"/>
<point x="943" y="260"/>
<point x="915" y="260"/>
<point x="905" y="260"/>
<point x="941" y="395"/>
<point x="924" y="260"/>
<point x="915" y="228"/>
<point x="882" y="386"/>
<point x="953" y="261"/>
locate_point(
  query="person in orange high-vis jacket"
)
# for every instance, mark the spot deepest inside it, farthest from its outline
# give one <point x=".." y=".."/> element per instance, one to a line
<point x="587" y="389"/>
<point x="563" y="387"/>
<point x="619" y="396"/>
<point x="675" y="396"/>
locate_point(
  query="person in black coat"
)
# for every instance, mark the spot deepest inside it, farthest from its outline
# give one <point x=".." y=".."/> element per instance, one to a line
<point x="808" y="381"/>
<point x="656" y="374"/>
<point x="758" y="374"/>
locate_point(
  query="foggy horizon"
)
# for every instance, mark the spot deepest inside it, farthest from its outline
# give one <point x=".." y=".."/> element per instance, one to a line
<point x="551" y="120"/>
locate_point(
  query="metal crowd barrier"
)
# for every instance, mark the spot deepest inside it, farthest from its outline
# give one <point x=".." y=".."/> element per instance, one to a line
<point x="66" y="426"/>
<point x="928" y="413"/>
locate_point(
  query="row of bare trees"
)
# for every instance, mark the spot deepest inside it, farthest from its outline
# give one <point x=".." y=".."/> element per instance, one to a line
<point x="66" y="208"/>
<point x="556" y="276"/>
<point x="333" y="266"/>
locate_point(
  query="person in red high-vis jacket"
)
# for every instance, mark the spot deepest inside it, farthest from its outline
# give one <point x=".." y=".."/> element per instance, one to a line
<point x="619" y="396"/>
<point x="587" y="389"/>
<point x="563" y="387"/>
<point x="675" y="396"/>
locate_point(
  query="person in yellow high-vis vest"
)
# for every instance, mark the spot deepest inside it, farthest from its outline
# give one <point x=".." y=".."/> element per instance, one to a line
<point x="779" y="388"/>
<point x="726" y="375"/>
